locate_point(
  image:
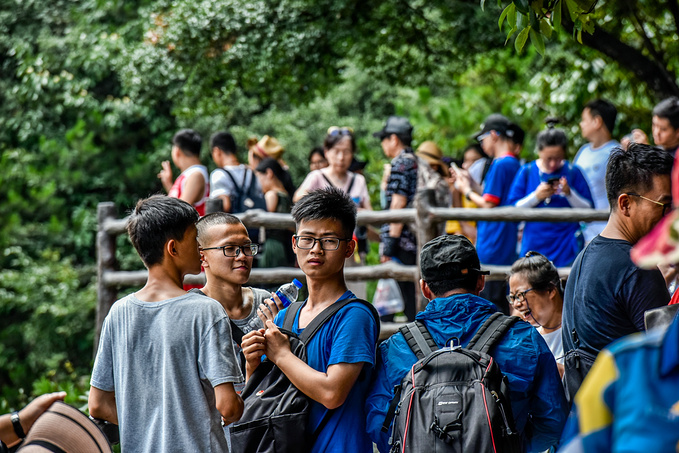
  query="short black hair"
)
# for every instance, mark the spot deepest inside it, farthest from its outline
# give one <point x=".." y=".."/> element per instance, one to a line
<point x="316" y="150"/>
<point x="605" y="110"/>
<point x="406" y="139"/>
<point x="224" y="141"/>
<point x="156" y="220"/>
<point x="633" y="169"/>
<point x="331" y="140"/>
<point x="668" y="108"/>
<point x="441" y="287"/>
<point x="539" y="271"/>
<point x="552" y="136"/>
<point x="475" y="147"/>
<point x="327" y="203"/>
<point x="213" y="219"/>
<point x="188" y="141"/>
<point x="278" y="171"/>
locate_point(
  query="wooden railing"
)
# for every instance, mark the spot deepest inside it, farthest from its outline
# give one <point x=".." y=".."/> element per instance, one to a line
<point x="427" y="220"/>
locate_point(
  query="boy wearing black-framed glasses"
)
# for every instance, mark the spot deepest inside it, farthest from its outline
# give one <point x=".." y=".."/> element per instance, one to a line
<point x="226" y="253"/>
<point x="344" y="347"/>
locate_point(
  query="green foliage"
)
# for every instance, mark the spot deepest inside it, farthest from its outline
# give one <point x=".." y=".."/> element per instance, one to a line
<point x="92" y="91"/>
<point x="46" y="312"/>
<point x="537" y="19"/>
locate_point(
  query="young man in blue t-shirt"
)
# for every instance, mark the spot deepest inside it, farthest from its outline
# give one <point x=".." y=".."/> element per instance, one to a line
<point x="502" y="139"/>
<point x="496" y="241"/>
<point x="345" y="344"/>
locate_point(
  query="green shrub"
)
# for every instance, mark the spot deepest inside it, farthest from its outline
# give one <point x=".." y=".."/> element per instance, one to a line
<point x="46" y="321"/>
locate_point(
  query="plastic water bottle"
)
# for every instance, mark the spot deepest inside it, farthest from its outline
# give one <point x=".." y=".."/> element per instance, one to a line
<point x="289" y="292"/>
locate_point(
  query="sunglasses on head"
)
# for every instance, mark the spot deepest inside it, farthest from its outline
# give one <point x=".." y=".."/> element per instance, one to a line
<point x="335" y="130"/>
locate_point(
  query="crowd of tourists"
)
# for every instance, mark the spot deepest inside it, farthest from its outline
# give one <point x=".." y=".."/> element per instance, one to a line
<point x="229" y="367"/>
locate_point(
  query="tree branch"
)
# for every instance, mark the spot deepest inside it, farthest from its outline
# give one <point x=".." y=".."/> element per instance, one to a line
<point x="658" y="78"/>
<point x="639" y="26"/>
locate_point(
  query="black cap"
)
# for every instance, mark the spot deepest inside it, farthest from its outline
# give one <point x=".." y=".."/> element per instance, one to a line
<point x="515" y="133"/>
<point x="395" y="125"/>
<point x="449" y="258"/>
<point x="495" y="122"/>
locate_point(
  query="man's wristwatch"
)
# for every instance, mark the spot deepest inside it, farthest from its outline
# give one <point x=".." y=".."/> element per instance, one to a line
<point x="16" y="423"/>
<point x="466" y="195"/>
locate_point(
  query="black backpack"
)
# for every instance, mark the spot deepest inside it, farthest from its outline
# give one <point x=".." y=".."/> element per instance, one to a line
<point x="276" y="412"/>
<point x="247" y="196"/>
<point x="453" y="399"/>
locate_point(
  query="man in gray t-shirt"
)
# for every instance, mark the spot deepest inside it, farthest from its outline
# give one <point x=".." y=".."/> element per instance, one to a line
<point x="165" y="366"/>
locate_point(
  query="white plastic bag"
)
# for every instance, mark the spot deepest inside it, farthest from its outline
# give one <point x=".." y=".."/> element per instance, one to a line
<point x="388" y="298"/>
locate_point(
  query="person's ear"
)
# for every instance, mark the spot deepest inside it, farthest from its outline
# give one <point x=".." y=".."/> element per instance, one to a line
<point x="294" y="245"/>
<point x="171" y="247"/>
<point x="480" y="284"/>
<point x="203" y="260"/>
<point x="624" y="204"/>
<point x="426" y="292"/>
<point x="351" y="246"/>
<point x="269" y="173"/>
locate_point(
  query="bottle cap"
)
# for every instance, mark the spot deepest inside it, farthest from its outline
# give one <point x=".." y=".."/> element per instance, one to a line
<point x="297" y="283"/>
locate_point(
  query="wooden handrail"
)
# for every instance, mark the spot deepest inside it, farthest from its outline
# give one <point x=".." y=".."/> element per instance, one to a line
<point x="426" y="219"/>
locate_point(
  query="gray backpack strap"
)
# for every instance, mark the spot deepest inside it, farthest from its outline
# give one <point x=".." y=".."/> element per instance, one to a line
<point x="290" y="314"/>
<point x="491" y="332"/>
<point x="418" y="338"/>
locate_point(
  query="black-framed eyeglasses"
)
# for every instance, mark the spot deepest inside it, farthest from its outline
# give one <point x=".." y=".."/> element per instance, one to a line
<point x="518" y="297"/>
<point x="327" y="243"/>
<point x="233" y="251"/>
<point x="666" y="207"/>
<point x="335" y="130"/>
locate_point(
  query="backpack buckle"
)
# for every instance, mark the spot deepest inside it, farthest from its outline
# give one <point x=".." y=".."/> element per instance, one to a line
<point x="440" y="432"/>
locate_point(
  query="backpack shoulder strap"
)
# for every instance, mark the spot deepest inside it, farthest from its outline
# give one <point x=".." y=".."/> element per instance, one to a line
<point x="491" y="332"/>
<point x="251" y="186"/>
<point x="418" y="338"/>
<point x="486" y="167"/>
<point x="230" y="175"/>
<point x="290" y="315"/>
<point x="237" y="190"/>
<point x="313" y="327"/>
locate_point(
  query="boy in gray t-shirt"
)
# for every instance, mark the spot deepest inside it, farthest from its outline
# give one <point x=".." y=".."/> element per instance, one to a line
<point x="165" y="366"/>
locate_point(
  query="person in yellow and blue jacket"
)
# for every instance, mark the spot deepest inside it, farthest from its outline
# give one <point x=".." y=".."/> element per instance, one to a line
<point x="629" y="401"/>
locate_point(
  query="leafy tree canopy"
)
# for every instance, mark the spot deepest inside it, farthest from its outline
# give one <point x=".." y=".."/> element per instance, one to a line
<point x="92" y="91"/>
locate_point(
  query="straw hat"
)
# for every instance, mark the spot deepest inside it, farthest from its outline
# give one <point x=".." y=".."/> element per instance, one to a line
<point x="432" y="154"/>
<point x="64" y="428"/>
<point x="266" y="147"/>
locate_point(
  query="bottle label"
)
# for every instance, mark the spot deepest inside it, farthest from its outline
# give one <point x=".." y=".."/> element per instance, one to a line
<point x="286" y="302"/>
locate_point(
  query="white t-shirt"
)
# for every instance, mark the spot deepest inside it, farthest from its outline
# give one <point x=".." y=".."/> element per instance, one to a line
<point x="555" y="343"/>
<point x="221" y="184"/>
<point x="593" y="162"/>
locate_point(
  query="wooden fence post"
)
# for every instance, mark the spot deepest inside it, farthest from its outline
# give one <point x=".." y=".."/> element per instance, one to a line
<point x="426" y="231"/>
<point x="106" y="262"/>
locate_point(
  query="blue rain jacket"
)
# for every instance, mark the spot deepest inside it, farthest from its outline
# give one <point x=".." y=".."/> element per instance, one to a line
<point x="629" y="401"/>
<point x="537" y="397"/>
